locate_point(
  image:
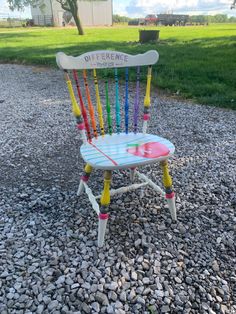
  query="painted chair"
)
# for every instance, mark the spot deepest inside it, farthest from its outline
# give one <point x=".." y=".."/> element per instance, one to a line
<point x="109" y="148"/>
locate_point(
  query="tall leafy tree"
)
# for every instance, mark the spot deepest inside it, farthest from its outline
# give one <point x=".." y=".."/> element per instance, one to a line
<point x="67" y="5"/>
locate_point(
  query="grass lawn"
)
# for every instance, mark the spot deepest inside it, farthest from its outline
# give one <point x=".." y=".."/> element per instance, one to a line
<point x="197" y="62"/>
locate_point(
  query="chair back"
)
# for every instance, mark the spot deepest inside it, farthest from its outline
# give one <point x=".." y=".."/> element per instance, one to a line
<point x="91" y="121"/>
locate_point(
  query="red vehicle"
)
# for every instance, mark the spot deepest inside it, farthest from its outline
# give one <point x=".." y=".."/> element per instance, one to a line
<point x="166" y="19"/>
<point x="151" y="19"/>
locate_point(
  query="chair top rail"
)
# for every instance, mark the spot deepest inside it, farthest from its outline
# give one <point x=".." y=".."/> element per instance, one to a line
<point x="102" y="59"/>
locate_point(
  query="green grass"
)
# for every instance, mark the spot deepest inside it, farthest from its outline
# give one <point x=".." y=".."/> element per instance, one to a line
<point x="197" y="62"/>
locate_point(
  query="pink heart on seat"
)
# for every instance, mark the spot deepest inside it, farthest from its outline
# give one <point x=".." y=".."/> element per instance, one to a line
<point x="149" y="150"/>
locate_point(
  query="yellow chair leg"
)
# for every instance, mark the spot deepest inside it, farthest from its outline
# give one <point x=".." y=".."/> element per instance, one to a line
<point x="85" y="177"/>
<point x="105" y="201"/>
<point x="170" y="195"/>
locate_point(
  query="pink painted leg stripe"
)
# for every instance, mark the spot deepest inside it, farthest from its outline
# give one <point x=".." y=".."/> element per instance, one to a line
<point x="171" y="195"/>
<point x="103" y="216"/>
<point x="85" y="178"/>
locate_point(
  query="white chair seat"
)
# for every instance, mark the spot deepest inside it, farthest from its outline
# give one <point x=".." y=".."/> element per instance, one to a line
<point x="126" y="150"/>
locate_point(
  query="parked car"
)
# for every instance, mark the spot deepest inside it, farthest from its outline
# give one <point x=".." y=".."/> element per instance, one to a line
<point x="136" y="22"/>
<point x="151" y="19"/>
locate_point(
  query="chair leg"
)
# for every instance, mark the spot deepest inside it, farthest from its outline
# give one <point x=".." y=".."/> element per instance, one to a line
<point x="105" y="201"/>
<point x="170" y="195"/>
<point x="132" y="174"/>
<point x="84" y="178"/>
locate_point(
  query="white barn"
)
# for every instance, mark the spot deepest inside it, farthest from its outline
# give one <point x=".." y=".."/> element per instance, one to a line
<point x="92" y="13"/>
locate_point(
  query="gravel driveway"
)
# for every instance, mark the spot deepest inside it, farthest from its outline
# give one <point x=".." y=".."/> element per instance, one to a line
<point x="49" y="259"/>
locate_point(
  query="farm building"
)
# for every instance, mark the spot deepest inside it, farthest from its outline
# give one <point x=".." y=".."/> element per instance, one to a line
<point x="92" y="13"/>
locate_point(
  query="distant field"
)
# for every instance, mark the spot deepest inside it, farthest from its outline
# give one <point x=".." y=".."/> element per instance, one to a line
<point x="5" y="23"/>
<point x="197" y="62"/>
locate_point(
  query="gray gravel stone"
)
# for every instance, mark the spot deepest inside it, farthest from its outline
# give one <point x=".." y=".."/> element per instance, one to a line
<point x="40" y="309"/>
<point x="146" y="280"/>
<point x="60" y="280"/>
<point x="134" y="275"/>
<point x="123" y="296"/>
<point x="112" y="296"/>
<point x="110" y="309"/>
<point x="101" y="298"/>
<point x="86" y="308"/>
<point x="140" y="300"/>
<point x="188" y="280"/>
<point x="178" y="280"/>
<point x="165" y="309"/>
<point x="96" y="307"/>
<point x="215" y="266"/>
<point x="53" y="305"/>
<point x="113" y="286"/>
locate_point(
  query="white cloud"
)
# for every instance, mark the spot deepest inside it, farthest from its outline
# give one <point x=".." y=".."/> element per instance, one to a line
<point x="140" y="8"/>
<point x="6" y="12"/>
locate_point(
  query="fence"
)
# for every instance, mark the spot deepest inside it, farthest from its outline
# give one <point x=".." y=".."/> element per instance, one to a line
<point x="43" y="20"/>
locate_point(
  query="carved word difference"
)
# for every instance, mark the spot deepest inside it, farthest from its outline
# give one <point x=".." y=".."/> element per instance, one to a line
<point x="106" y="56"/>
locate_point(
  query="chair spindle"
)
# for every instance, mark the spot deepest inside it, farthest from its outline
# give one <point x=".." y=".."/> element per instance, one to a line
<point x="90" y="105"/>
<point x="82" y="106"/>
<point x="136" y="104"/>
<point x="147" y="100"/>
<point x="99" y="105"/>
<point x="75" y="107"/>
<point x="126" y="100"/>
<point x="108" y="108"/>
<point x="117" y="103"/>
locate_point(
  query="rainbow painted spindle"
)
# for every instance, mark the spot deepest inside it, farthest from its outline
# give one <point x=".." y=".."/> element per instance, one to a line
<point x="108" y="108"/>
<point x="126" y="100"/>
<point x="99" y="105"/>
<point x="90" y="105"/>
<point x="136" y="104"/>
<point x="117" y="103"/>
<point x="83" y="109"/>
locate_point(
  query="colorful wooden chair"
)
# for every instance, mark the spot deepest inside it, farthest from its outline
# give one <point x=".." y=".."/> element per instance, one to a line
<point x="115" y="149"/>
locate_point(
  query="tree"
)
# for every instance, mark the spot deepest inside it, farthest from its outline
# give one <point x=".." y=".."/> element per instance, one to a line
<point x="67" y="5"/>
<point x="72" y="6"/>
<point x="233" y="5"/>
<point x="116" y="18"/>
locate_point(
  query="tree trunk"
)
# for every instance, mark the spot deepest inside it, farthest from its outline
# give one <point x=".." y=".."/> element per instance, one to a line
<point x="78" y="24"/>
<point x="73" y="6"/>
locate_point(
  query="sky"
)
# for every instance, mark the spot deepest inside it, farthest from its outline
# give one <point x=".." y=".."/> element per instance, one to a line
<point x="5" y="12"/>
<point x="140" y="8"/>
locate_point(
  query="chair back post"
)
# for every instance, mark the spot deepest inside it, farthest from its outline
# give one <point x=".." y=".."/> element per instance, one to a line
<point x="75" y="108"/>
<point x="147" y="100"/>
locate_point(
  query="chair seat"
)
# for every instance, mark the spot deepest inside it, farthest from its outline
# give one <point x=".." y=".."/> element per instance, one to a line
<point x="120" y="151"/>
